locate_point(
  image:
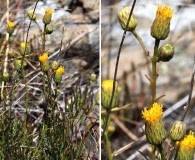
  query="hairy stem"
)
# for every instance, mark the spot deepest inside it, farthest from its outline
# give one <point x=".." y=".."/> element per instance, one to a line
<point x="141" y="42"/>
<point x="154" y="75"/>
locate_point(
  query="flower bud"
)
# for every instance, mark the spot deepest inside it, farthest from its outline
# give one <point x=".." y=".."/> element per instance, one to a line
<point x="123" y="16"/>
<point x="44" y="62"/>
<point x="32" y="16"/>
<point x="107" y="88"/>
<point x="165" y="52"/>
<point x="54" y="65"/>
<point x="45" y="66"/>
<point x="49" y="29"/>
<point x="58" y="74"/>
<point x="11" y="53"/>
<point x="6" y="76"/>
<point x="10" y="28"/>
<point x="47" y="16"/>
<point x="17" y="64"/>
<point x="24" y="49"/>
<point x="161" y="25"/>
<point x="93" y="77"/>
<point x="110" y="130"/>
<point x="178" y="131"/>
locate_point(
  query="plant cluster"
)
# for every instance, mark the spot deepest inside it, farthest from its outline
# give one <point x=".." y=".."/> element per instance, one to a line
<point x="48" y="131"/>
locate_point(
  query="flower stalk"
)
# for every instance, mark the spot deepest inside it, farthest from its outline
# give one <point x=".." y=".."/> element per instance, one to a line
<point x="154" y="75"/>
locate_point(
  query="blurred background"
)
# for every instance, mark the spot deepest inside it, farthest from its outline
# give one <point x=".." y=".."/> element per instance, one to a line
<point x="174" y="76"/>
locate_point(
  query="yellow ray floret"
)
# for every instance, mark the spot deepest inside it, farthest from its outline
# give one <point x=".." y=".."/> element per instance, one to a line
<point x="11" y="24"/>
<point x="60" y="70"/>
<point x="48" y="11"/>
<point x="43" y="58"/>
<point x="153" y="114"/>
<point x="165" y="11"/>
<point x="188" y="142"/>
<point x="107" y="86"/>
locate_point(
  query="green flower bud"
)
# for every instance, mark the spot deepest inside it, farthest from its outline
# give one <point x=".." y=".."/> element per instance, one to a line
<point x="54" y="65"/>
<point x="107" y="87"/>
<point x="32" y="16"/>
<point x="45" y="66"/>
<point x="49" y="29"/>
<point x="17" y="64"/>
<point x="11" y="54"/>
<point x="123" y="16"/>
<point x="5" y="76"/>
<point x="165" y="53"/>
<point x="93" y="77"/>
<point x="177" y="131"/>
<point x="110" y="130"/>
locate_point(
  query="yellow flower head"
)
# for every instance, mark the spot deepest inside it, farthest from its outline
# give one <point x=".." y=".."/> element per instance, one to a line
<point x="11" y="24"/>
<point x="58" y="74"/>
<point x="23" y="45"/>
<point x="60" y="70"/>
<point x="43" y="58"/>
<point x="154" y="128"/>
<point x="161" y="25"/>
<point x="10" y="27"/>
<point x="47" y="16"/>
<point x="153" y="114"/>
<point x="188" y="142"/>
<point x="24" y="49"/>
<point x="107" y="87"/>
<point x="48" y="12"/>
<point x="164" y="12"/>
<point x="186" y="147"/>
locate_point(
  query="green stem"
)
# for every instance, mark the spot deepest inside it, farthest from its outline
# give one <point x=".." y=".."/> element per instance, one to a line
<point x="153" y="152"/>
<point x="162" y="153"/>
<point x="54" y="102"/>
<point x="108" y="144"/>
<point x="44" y="39"/>
<point x="141" y="42"/>
<point x="154" y="75"/>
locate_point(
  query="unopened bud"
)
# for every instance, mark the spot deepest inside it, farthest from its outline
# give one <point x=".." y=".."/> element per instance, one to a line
<point x="54" y="65"/>
<point x="31" y="15"/>
<point x="5" y="76"/>
<point x="165" y="53"/>
<point x="123" y="16"/>
<point x="177" y="131"/>
<point x="49" y="29"/>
